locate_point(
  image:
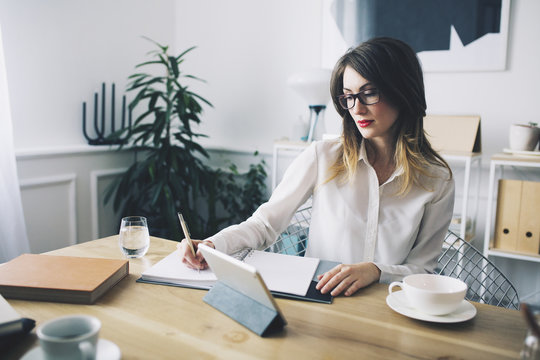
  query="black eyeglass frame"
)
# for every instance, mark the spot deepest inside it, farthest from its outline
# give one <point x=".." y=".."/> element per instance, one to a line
<point x="342" y="99"/>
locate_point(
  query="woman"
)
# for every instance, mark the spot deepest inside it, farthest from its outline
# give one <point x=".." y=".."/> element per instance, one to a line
<point x="382" y="198"/>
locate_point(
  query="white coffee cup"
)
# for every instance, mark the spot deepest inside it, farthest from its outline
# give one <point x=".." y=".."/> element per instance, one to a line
<point x="69" y="337"/>
<point x="432" y="294"/>
<point x="523" y="137"/>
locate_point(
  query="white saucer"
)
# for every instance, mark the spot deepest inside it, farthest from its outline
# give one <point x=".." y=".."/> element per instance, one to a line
<point x="106" y="350"/>
<point x="399" y="303"/>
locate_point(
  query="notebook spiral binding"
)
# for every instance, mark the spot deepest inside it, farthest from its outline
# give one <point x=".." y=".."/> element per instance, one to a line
<point x="242" y="254"/>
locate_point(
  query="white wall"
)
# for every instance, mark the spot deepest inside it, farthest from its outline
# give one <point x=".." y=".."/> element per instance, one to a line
<point x="246" y="51"/>
<point x="58" y="52"/>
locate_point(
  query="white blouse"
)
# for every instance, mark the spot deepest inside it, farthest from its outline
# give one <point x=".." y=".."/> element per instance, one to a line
<point x="356" y="221"/>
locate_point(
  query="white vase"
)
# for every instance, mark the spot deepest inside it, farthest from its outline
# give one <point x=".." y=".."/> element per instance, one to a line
<point x="523" y="137"/>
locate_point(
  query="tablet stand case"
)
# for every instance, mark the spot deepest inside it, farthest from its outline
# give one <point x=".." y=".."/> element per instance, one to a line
<point x="255" y="316"/>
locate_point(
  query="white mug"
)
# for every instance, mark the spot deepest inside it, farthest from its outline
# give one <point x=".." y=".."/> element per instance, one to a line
<point x="432" y="294"/>
<point x="69" y="337"/>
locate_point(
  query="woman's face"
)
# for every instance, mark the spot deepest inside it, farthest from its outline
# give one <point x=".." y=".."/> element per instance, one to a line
<point x="373" y="121"/>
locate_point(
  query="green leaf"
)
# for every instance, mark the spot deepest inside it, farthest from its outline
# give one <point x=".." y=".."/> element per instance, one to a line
<point x="184" y="53"/>
<point x="152" y="62"/>
<point x="200" y="98"/>
<point x="153" y="100"/>
<point x="162" y="47"/>
<point x="174" y="66"/>
<point x="194" y="78"/>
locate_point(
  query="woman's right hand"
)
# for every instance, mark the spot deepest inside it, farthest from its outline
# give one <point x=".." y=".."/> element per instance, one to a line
<point x="196" y="262"/>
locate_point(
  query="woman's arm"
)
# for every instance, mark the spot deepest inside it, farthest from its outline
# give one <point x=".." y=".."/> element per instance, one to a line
<point x="272" y="217"/>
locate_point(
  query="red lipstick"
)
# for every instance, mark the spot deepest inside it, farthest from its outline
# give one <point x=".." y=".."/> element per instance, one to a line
<point x="364" y="123"/>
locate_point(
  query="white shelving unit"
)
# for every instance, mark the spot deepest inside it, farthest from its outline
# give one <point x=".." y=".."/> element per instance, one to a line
<point x="500" y="161"/>
<point x="471" y="162"/>
<point x="472" y="167"/>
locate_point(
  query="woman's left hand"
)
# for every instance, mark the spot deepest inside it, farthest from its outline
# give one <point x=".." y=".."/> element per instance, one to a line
<point x="348" y="278"/>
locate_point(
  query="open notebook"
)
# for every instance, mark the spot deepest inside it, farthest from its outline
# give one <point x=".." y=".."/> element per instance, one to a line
<point x="285" y="275"/>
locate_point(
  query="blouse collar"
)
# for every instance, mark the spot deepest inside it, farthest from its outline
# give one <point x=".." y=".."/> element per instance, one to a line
<point x="363" y="156"/>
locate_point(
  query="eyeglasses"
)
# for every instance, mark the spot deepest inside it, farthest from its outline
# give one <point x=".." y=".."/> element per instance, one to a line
<point x="366" y="97"/>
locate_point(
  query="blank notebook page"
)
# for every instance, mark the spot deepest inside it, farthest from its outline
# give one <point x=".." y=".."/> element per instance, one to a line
<point x="284" y="273"/>
<point x="171" y="269"/>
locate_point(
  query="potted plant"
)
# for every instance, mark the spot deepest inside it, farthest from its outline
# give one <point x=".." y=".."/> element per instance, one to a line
<point x="169" y="174"/>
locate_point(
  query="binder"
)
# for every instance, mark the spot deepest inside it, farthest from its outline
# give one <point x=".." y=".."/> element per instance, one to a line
<point x="508" y="210"/>
<point x="517" y="227"/>
<point x="528" y="238"/>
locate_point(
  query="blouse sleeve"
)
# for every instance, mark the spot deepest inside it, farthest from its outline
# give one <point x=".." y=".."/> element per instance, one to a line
<point x="272" y="217"/>
<point x="431" y="233"/>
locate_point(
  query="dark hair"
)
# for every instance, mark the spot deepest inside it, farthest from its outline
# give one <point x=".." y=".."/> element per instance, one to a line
<point x="393" y="67"/>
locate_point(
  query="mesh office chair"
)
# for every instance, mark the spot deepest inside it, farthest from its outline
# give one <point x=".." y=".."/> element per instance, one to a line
<point x="293" y="241"/>
<point x="486" y="283"/>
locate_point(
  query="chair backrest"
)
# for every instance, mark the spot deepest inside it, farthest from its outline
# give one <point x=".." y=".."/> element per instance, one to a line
<point x="486" y="283"/>
<point x="293" y="241"/>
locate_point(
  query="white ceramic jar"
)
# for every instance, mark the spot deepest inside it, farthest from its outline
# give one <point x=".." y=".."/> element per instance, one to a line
<point x="523" y="137"/>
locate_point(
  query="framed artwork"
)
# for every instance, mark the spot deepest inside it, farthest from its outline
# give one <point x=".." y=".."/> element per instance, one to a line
<point x="447" y="35"/>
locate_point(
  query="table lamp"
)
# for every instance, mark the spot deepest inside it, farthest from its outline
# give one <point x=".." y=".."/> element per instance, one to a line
<point x="314" y="86"/>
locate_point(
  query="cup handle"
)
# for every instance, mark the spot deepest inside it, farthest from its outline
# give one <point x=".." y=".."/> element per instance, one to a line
<point x="87" y="350"/>
<point x="394" y="284"/>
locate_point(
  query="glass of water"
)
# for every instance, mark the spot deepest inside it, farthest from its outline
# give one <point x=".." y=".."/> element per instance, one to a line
<point x="134" y="238"/>
<point x="531" y="347"/>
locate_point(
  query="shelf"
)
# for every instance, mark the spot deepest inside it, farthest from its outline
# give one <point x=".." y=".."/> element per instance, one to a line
<point x="501" y="160"/>
<point x="507" y="159"/>
<point x="513" y="255"/>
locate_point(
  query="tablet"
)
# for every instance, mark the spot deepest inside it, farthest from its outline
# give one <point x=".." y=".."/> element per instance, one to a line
<point x="239" y="276"/>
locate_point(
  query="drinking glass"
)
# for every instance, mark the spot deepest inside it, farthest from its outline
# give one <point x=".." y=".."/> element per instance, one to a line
<point x="531" y="347"/>
<point x="134" y="238"/>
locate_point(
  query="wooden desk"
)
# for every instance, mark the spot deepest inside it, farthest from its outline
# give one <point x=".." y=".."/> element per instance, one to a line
<point x="162" y="322"/>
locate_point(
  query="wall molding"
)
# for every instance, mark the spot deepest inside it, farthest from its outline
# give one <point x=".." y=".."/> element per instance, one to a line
<point x="48" y="152"/>
<point x="94" y="195"/>
<point x="46" y="181"/>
